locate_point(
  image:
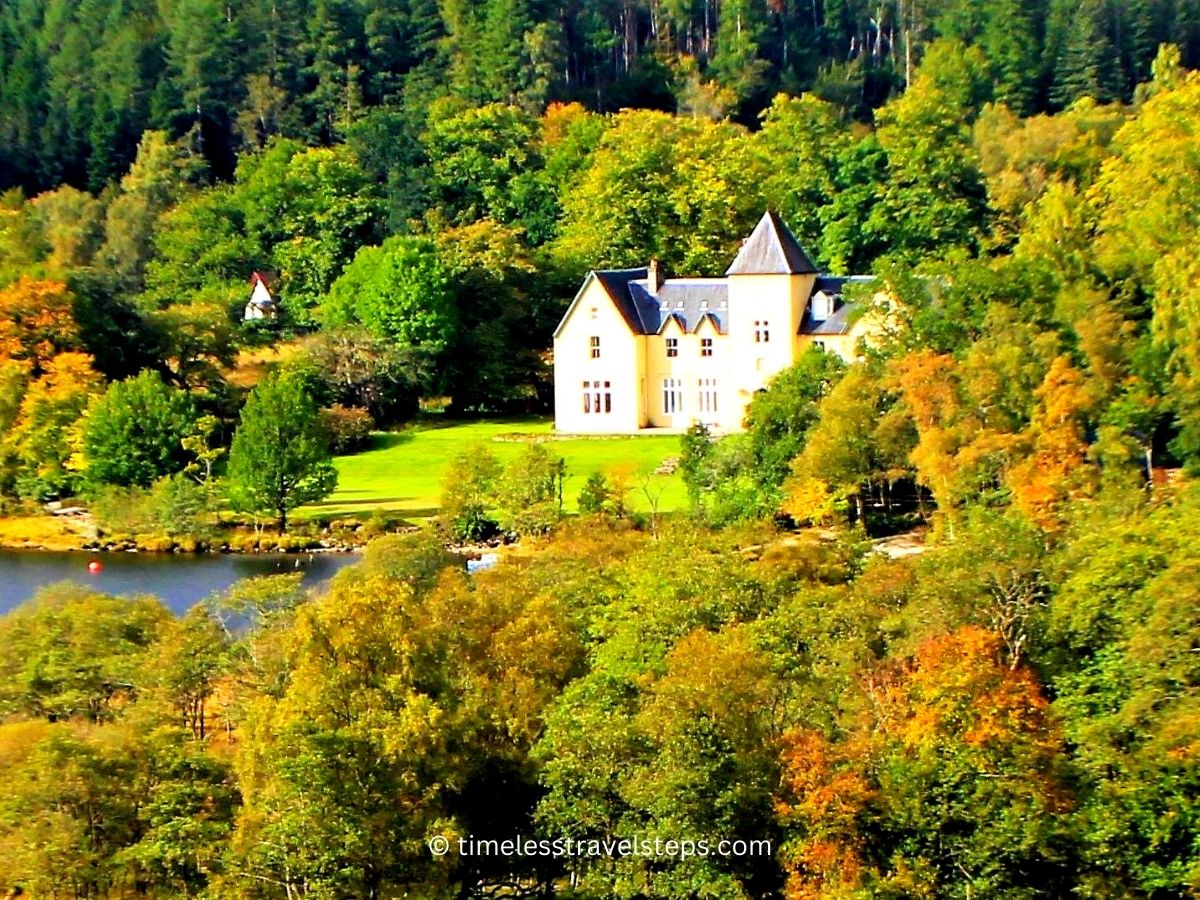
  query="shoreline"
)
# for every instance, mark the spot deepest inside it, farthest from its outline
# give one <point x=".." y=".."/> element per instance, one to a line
<point x="224" y="550"/>
<point x="61" y="534"/>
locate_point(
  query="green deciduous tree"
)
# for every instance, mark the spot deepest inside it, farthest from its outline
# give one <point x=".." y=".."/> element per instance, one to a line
<point x="934" y="195"/>
<point x="684" y="191"/>
<point x="76" y="653"/>
<point x="779" y="418"/>
<point x="529" y="493"/>
<point x="1148" y="225"/>
<point x="400" y="292"/>
<point x="1123" y="632"/>
<point x="469" y="494"/>
<point x="134" y="433"/>
<point x="279" y="458"/>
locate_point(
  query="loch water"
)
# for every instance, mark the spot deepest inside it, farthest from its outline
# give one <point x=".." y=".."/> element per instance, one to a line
<point x="180" y="580"/>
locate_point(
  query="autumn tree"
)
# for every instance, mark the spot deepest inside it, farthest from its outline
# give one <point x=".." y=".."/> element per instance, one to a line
<point x="1056" y="470"/>
<point x="377" y="744"/>
<point x="846" y="452"/>
<point x="38" y="453"/>
<point x="943" y="780"/>
<point x="36" y="322"/>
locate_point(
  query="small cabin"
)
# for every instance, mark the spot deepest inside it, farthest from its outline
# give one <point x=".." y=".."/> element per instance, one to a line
<point x="262" y="303"/>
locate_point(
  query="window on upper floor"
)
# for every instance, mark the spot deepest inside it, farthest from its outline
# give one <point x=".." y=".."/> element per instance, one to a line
<point x="595" y="345"/>
<point x="672" y="346"/>
<point x="706" y="346"/>
<point x="762" y="331"/>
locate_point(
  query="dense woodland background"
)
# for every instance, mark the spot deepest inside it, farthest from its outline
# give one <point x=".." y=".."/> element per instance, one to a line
<point x="1012" y="713"/>
<point x="81" y="80"/>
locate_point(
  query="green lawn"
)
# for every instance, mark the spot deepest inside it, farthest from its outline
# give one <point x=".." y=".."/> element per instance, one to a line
<point x="403" y="471"/>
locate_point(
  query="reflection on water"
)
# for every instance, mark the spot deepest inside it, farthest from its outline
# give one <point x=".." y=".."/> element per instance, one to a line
<point x="178" y="579"/>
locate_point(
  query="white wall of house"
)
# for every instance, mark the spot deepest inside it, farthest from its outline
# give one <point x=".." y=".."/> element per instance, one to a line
<point x="599" y="368"/>
<point x="610" y="380"/>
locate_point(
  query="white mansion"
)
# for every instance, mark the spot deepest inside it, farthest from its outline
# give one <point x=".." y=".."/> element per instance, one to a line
<point x="635" y="351"/>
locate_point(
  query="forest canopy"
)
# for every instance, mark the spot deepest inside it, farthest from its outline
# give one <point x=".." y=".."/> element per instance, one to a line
<point x="420" y="187"/>
<point x="82" y="80"/>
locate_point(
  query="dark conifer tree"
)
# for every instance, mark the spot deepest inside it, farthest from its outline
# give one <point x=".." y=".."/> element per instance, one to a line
<point x="1009" y="40"/>
<point x="1088" y="64"/>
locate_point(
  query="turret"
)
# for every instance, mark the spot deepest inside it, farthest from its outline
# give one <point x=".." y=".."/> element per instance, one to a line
<point x="770" y="282"/>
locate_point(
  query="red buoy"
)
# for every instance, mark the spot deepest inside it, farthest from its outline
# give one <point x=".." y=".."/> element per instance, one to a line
<point x="94" y="567"/>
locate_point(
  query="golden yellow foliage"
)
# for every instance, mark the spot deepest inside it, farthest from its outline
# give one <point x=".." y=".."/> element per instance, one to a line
<point x="36" y="321"/>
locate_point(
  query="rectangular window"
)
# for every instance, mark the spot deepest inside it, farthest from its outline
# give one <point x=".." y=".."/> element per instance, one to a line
<point x="595" y="342"/>
<point x="596" y="400"/>
<point x="820" y="345"/>
<point x="708" y="395"/>
<point x="672" y="395"/>
<point x="766" y="334"/>
<point x="706" y="346"/>
<point x="672" y="346"/>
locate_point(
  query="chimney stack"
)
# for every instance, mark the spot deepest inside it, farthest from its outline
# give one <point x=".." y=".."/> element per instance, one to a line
<point x="653" y="277"/>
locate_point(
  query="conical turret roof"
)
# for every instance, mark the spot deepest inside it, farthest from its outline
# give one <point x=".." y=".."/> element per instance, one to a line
<point x="771" y="249"/>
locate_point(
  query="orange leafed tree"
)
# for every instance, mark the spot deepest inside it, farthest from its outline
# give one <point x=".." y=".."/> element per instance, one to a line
<point x="929" y="387"/>
<point x="939" y="767"/>
<point x="36" y="321"/>
<point x="1056" y="471"/>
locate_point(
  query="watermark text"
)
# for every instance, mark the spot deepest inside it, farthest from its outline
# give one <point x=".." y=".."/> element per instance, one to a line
<point x="596" y="848"/>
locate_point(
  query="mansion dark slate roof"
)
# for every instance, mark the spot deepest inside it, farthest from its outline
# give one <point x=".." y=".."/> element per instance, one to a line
<point x="616" y="283"/>
<point x="689" y="300"/>
<point x="840" y="320"/>
<point x="838" y="323"/>
<point x="771" y="249"/>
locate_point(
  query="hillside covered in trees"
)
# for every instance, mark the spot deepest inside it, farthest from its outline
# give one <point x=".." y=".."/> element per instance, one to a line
<point x="1054" y="246"/>
<point x="1004" y="716"/>
<point x="1011" y="713"/>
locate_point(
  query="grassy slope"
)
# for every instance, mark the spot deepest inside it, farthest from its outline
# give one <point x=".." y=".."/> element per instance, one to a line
<point x="403" y="472"/>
